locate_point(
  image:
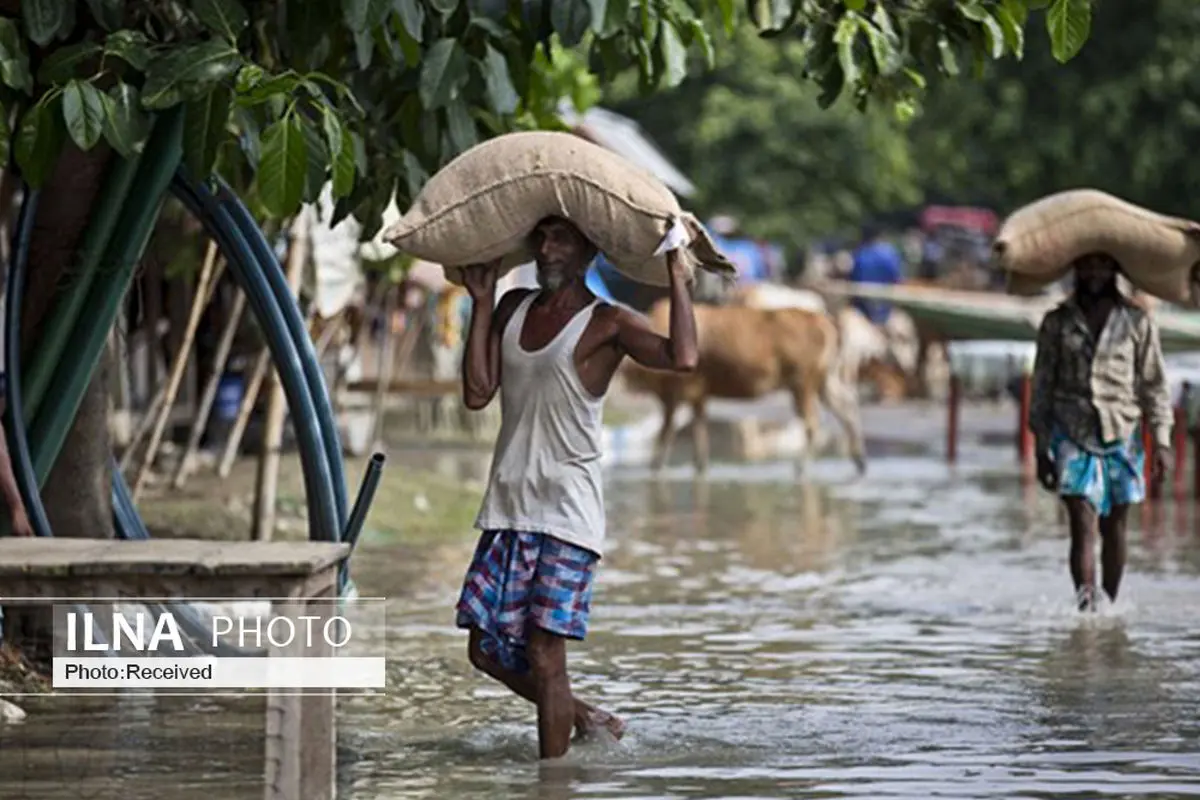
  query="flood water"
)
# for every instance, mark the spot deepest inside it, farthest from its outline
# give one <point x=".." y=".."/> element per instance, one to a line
<point x="910" y="634"/>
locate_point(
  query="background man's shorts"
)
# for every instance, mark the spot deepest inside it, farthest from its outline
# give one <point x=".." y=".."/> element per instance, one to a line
<point x="1108" y="478"/>
<point x="518" y="579"/>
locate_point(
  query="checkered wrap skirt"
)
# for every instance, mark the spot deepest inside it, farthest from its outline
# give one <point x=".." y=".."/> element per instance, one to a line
<point x="517" y="579"/>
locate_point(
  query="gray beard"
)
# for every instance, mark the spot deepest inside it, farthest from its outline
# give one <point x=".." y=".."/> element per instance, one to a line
<point x="550" y="281"/>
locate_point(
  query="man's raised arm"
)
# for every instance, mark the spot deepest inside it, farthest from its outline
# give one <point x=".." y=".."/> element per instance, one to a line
<point x="679" y="352"/>
<point x="481" y="352"/>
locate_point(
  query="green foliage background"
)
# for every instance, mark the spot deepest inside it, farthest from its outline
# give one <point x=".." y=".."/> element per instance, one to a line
<point x="285" y="96"/>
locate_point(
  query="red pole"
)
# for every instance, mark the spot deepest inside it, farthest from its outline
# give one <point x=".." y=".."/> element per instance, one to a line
<point x="1024" y="434"/>
<point x="1154" y="489"/>
<point x="1179" y="435"/>
<point x="952" y="400"/>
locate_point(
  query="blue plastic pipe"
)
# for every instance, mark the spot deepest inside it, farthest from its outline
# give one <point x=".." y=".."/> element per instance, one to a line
<point x="308" y="353"/>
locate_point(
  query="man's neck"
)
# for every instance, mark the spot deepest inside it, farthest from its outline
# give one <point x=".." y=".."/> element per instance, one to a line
<point x="568" y="296"/>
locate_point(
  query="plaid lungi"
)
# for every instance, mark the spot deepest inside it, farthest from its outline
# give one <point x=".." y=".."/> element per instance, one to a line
<point x="517" y="579"/>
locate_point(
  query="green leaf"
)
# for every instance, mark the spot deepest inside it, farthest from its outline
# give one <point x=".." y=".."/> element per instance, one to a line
<point x="1018" y="10"/>
<point x="226" y="17"/>
<point x="412" y="16"/>
<point x="40" y="139"/>
<point x="414" y="174"/>
<point x="248" y="134"/>
<point x="949" y="60"/>
<point x="410" y="48"/>
<point x="44" y="18"/>
<point x="444" y="72"/>
<point x="126" y="126"/>
<point x="570" y="21"/>
<point x="501" y="95"/>
<point x="1069" y="23"/>
<point x="728" y="18"/>
<point x="885" y="43"/>
<point x="774" y="16"/>
<point x="109" y="14"/>
<point x="331" y="124"/>
<point x="1014" y="33"/>
<point x="855" y="5"/>
<point x="186" y="71"/>
<point x="268" y="88"/>
<point x="993" y="33"/>
<point x="132" y="47"/>
<point x="491" y="27"/>
<point x="700" y="34"/>
<point x="844" y="37"/>
<point x="14" y="59"/>
<point x="444" y="7"/>
<point x="831" y="81"/>
<point x="343" y="168"/>
<point x="917" y="78"/>
<point x="5" y="136"/>
<point x="83" y="113"/>
<point x="63" y="64"/>
<point x="599" y="13"/>
<point x="364" y="48"/>
<point x="363" y="16"/>
<point x="283" y="167"/>
<point x="460" y="126"/>
<point x="206" y="121"/>
<point x="317" y="159"/>
<point x="674" y="54"/>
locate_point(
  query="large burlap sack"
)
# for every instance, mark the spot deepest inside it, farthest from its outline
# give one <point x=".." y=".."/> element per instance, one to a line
<point x="1159" y="254"/>
<point x="484" y="204"/>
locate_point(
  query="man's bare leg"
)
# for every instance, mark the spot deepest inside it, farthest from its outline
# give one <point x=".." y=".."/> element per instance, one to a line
<point x="1113" y="549"/>
<point x="555" y="703"/>
<point x="587" y="718"/>
<point x="1082" y="520"/>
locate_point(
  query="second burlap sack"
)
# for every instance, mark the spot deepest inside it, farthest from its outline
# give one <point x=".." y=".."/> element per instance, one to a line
<point x="484" y="204"/>
<point x="1037" y="244"/>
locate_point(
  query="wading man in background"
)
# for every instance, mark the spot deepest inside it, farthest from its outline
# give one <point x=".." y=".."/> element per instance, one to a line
<point x="1098" y="373"/>
<point x="551" y="354"/>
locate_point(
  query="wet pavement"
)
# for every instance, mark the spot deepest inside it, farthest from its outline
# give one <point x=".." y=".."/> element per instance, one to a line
<point x="909" y="634"/>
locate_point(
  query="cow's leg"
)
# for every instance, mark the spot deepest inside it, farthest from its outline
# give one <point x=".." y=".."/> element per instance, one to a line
<point x="842" y="402"/>
<point x="666" y="434"/>
<point x="805" y="402"/>
<point x="700" y="435"/>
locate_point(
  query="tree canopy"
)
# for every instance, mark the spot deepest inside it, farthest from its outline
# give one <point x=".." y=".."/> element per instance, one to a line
<point x="283" y="96"/>
<point x="1122" y="117"/>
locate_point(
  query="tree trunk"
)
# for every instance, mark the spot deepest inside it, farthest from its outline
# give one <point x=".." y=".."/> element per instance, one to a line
<point x="78" y="490"/>
<point x="77" y="495"/>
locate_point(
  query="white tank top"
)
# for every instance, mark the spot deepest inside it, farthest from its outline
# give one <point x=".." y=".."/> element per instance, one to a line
<point x="545" y="475"/>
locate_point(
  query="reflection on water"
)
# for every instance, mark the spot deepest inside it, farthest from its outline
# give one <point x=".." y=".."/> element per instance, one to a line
<point x="907" y="635"/>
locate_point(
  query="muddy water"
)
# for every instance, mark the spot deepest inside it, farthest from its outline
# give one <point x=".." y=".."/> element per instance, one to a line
<point x="908" y="635"/>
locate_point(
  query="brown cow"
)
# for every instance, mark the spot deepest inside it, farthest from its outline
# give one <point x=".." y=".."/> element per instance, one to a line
<point x="746" y="353"/>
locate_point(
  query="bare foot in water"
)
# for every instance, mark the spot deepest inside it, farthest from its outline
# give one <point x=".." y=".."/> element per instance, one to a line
<point x="589" y="721"/>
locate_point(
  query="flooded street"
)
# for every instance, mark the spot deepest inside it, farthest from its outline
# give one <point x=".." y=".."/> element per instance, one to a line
<point x="910" y="634"/>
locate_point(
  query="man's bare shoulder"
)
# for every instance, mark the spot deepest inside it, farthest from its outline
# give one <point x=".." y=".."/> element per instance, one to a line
<point x="618" y="318"/>
<point x="511" y="299"/>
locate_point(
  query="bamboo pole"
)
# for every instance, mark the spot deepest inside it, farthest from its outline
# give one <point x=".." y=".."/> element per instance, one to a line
<point x="210" y="389"/>
<point x="261" y="367"/>
<point x="267" y="484"/>
<point x="208" y="275"/>
<point x="386" y="363"/>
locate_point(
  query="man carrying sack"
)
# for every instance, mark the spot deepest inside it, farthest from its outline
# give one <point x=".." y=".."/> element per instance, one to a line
<point x="551" y="354"/>
<point x="1098" y="372"/>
